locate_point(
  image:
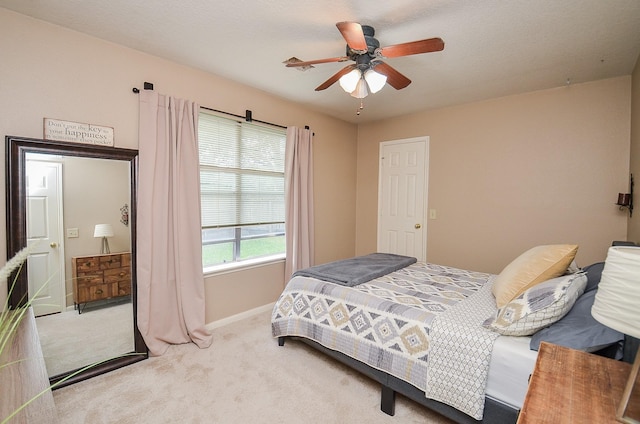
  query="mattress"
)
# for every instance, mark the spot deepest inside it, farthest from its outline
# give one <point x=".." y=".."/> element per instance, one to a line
<point x="511" y="365"/>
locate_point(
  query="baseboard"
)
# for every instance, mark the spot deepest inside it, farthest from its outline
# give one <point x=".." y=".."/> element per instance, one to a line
<point x="237" y="317"/>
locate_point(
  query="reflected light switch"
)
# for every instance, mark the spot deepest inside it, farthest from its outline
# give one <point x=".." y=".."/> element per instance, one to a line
<point x="72" y="232"/>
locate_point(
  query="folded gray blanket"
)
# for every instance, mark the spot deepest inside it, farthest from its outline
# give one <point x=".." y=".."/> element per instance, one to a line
<point x="358" y="270"/>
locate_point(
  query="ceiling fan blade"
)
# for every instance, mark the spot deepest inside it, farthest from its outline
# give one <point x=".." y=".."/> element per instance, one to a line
<point x="394" y="78"/>
<point x="353" y="35"/>
<point x="328" y="83"/>
<point x="413" y="47"/>
<point x="317" y="61"/>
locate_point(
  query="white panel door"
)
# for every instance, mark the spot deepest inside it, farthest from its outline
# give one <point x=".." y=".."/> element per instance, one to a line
<point x="402" y="194"/>
<point x="45" y="265"/>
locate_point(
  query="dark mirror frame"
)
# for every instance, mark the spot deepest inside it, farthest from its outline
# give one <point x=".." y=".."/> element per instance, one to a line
<point x="17" y="148"/>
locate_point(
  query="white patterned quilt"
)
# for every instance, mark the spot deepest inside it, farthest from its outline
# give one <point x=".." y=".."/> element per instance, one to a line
<point x="422" y="324"/>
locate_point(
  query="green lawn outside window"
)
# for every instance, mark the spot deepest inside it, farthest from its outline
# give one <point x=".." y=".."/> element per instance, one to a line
<point x="216" y="254"/>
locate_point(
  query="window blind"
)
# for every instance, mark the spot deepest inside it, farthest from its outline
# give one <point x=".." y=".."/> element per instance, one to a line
<point x="241" y="172"/>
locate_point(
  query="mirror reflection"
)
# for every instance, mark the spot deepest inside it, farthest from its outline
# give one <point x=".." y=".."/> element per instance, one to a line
<point x="75" y="205"/>
<point x="77" y="216"/>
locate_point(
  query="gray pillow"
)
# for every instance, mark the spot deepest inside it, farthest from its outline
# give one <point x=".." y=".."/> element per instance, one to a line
<point x="594" y="273"/>
<point x="578" y="329"/>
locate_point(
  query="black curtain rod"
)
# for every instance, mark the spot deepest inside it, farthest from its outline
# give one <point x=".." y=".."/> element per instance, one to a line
<point x="247" y="117"/>
<point x="147" y="86"/>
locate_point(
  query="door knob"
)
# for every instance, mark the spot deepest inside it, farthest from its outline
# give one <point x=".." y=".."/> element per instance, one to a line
<point x="53" y="244"/>
<point x="417" y="226"/>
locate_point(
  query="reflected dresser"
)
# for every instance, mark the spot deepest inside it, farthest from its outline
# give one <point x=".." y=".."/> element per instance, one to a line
<point x="100" y="277"/>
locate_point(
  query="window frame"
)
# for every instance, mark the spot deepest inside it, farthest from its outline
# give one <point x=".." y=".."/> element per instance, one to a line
<point x="237" y="239"/>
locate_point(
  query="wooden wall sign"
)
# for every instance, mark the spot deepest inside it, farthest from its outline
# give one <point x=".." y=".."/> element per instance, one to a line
<point x="77" y="132"/>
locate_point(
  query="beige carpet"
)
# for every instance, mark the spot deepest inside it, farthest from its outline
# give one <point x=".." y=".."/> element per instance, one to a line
<point x="70" y="340"/>
<point x="244" y="377"/>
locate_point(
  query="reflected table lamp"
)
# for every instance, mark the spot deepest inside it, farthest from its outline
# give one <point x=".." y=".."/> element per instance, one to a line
<point x="105" y="231"/>
<point x="617" y="305"/>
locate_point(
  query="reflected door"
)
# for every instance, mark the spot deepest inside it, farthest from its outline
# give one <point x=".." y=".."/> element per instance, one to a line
<point x="45" y="264"/>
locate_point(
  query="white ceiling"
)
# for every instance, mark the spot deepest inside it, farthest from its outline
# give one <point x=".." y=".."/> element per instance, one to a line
<point x="492" y="48"/>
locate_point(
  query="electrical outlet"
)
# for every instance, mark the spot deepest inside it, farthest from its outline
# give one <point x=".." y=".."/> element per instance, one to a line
<point x="72" y="232"/>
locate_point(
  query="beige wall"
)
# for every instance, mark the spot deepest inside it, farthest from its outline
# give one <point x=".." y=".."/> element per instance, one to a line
<point x="52" y="72"/>
<point x="94" y="192"/>
<point x="511" y="173"/>
<point x="633" y="232"/>
<point x="505" y="174"/>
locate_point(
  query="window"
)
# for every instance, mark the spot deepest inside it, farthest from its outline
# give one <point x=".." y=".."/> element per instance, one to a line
<point x="241" y="190"/>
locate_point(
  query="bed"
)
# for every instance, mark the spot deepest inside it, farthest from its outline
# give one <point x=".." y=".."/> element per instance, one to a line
<point x="442" y="336"/>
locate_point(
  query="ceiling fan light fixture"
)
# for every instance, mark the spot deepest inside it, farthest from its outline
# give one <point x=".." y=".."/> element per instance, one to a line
<point x="361" y="90"/>
<point x="375" y="80"/>
<point x="349" y="81"/>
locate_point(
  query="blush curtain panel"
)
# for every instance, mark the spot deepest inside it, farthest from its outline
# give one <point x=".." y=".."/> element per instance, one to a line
<point x="171" y="306"/>
<point x="299" y="232"/>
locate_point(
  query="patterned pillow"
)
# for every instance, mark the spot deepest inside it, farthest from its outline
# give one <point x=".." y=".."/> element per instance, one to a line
<point x="539" y="306"/>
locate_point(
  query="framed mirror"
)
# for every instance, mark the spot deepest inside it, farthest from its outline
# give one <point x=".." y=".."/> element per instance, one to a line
<point x="72" y="201"/>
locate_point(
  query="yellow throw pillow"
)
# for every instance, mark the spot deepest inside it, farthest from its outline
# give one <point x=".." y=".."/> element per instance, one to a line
<point x="534" y="266"/>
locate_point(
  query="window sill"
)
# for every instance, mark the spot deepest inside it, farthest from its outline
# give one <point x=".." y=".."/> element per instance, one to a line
<point x="239" y="266"/>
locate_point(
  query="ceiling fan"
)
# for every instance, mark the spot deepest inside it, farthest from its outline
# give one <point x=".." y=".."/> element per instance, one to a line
<point x="369" y="73"/>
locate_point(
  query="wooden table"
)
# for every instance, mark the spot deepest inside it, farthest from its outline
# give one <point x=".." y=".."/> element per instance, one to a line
<point x="570" y="386"/>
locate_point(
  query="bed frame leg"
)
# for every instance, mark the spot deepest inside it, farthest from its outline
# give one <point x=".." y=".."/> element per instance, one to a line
<point x="280" y="341"/>
<point x="388" y="401"/>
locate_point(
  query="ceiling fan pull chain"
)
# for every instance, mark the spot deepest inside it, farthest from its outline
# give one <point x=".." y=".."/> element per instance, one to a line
<point x="361" y="107"/>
